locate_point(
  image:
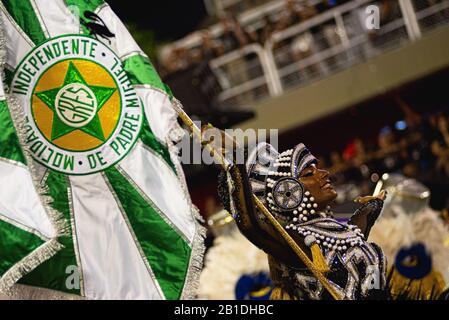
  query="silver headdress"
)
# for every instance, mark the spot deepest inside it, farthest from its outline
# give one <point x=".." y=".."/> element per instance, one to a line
<point x="273" y="177"/>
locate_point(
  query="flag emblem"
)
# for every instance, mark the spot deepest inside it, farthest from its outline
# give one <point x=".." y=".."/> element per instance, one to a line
<point x="84" y="116"/>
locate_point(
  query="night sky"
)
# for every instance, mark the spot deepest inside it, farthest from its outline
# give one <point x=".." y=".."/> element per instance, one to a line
<point x="168" y="19"/>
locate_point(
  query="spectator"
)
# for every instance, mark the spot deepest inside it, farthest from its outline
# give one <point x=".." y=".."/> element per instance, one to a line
<point x="211" y="48"/>
<point x="295" y="13"/>
<point x="236" y="37"/>
<point x="389" y="11"/>
<point x="300" y="47"/>
<point x="268" y="29"/>
<point x="443" y="129"/>
<point x="177" y="60"/>
<point x="412" y="154"/>
<point x="441" y="154"/>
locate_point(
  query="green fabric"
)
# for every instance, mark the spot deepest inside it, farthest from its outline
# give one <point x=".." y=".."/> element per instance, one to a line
<point x="16" y="244"/>
<point x="141" y="71"/>
<point x="9" y="141"/>
<point x="149" y="139"/>
<point x="166" y="251"/>
<point x="52" y="273"/>
<point x="24" y="15"/>
<point x="60" y="128"/>
<point x="168" y="91"/>
<point x="83" y="6"/>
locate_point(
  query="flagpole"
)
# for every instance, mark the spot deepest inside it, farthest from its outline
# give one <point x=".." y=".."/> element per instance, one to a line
<point x="219" y="159"/>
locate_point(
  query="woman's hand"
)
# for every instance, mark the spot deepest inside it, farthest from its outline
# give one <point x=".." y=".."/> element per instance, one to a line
<point x="381" y="196"/>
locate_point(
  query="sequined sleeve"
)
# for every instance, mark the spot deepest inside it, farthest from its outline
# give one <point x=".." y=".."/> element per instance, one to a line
<point x="365" y="216"/>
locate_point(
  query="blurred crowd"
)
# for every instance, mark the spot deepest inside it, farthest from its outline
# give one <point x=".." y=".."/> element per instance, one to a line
<point x="193" y="63"/>
<point x="235" y="36"/>
<point x="417" y="147"/>
<point x="329" y="44"/>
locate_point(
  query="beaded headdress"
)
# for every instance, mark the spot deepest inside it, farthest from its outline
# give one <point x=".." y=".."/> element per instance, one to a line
<point x="273" y="177"/>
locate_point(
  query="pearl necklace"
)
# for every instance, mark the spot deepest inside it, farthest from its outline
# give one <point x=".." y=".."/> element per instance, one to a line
<point x="333" y="241"/>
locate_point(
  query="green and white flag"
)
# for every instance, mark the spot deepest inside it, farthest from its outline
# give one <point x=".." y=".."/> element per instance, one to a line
<point x="29" y="227"/>
<point x="99" y="125"/>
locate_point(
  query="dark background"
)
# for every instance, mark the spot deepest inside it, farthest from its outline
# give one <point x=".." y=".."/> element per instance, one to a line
<point x="168" y="19"/>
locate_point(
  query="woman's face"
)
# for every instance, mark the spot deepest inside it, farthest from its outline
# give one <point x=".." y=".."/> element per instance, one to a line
<point x="317" y="182"/>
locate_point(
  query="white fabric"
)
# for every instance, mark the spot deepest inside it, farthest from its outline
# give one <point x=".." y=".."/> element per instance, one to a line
<point x="159" y="112"/>
<point x="15" y="41"/>
<point x="56" y="17"/>
<point x="123" y="43"/>
<point x="231" y="256"/>
<point x="397" y="229"/>
<point x="111" y="263"/>
<point x="158" y="109"/>
<point x="161" y="186"/>
<point x="112" y="266"/>
<point x="19" y="200"/>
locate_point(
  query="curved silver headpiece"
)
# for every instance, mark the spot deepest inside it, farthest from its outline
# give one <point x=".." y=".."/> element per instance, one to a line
<point x="258" y="166"/>
<point x="273" y="175"/>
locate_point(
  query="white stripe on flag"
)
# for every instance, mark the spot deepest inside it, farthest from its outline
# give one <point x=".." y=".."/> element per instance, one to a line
<point x="17" y="43"/>
<point x="123" y="43"/>
<point x="112" y="265"/>
<point x="19" y="200"/>
<point x="161" y="186"/>
<point x="159" y="111"/>
<point x="57" y="18"/>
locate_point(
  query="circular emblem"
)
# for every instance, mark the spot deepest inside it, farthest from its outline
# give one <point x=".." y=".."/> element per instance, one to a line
<point x="288" y="194"/>
<point x="84" y="105"/>
<point x="83" y="115"/>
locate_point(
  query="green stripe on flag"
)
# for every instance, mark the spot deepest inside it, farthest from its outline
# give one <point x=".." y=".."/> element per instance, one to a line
<point x="24" y="15"/>
<point x="141" y="71"/>
<point x="166" y="251"/>
<point x="83" y="6"/>
<point x="149" y="139"/>
<point x="52" y="274"/>
<point x="16" y="244"/>
<point x="9" y="141"/>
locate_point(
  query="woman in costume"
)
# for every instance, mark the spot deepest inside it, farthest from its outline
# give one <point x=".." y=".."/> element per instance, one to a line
<point x="298" y="194"/>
